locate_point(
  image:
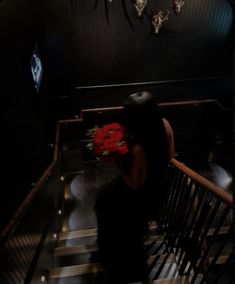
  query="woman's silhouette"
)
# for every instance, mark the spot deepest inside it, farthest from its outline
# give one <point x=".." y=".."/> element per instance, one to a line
<point x="126" y="205"/>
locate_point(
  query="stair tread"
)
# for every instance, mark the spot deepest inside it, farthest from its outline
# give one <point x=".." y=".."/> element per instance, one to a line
<point x="220" y="260"/>
<point x="74" y="270"/>
<point x="223" y="230"/>
<point x="81" y="269"/>
<point x="91" y="268"/>
<point x="90" y="232"/>
<point x="177" y="280"/>
<point x="78" y="234"/>
<point x="87" y="248"/>
<point x="170" y="258"/>
<point x="60" y="251"/>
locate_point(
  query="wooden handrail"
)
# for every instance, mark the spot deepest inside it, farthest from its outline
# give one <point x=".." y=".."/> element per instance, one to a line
<point x="57" y="136"/>
<point x="25" y="204"/>
<point x="188" y="102"/>
<point x="14" y="221"/>
<point x="219" y="192"/>
<point x="216" y="190"/>
<point x="99" y="109"/>
<point x="61" y="121"/>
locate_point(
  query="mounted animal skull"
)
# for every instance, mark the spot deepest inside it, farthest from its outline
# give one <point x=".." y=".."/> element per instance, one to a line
<point x="177" y="5"/>
<point x="158" y="20"/>
<point x="140" y="6"/>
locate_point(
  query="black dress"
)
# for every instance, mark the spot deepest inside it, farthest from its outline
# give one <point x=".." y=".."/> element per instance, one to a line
<point x="123" y="213"/>
<point x="121" y="228"/>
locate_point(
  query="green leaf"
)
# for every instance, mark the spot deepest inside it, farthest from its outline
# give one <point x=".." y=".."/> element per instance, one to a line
<point x="119" y="143"/>
<point x="91" y="131"/>
<point x="105" y="153"/>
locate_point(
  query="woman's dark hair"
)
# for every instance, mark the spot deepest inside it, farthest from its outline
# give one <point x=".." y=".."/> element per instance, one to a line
<point x="141" y="115"/>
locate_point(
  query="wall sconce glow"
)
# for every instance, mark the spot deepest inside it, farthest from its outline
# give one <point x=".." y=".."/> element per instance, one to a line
<point x="36" y="68"/>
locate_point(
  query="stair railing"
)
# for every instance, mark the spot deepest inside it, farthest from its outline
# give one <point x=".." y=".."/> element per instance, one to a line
<point x="197" y="225"/>
<point x="22" y="239"/>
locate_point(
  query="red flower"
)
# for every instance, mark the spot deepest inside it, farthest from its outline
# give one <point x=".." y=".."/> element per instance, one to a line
<point x="109" y="142"/>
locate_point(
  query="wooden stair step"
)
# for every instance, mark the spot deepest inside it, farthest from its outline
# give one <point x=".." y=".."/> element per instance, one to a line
<point x="78" y="234"/>
<point x="88" y="248"/>
<point x="220" y="260"/>
<point x="90" y="232"/>
<point x="163" y="267"/>
<point x="75" y="270"/>
<point x="223" y="230"/>
<point x="81" y="269"/>
<point x="160" y="258"/>
<point x="62" y="251"/>
<point x="177" y="280"/>
<point x="97" y="278"/>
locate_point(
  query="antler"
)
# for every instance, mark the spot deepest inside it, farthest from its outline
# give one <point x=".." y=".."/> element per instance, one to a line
<point x="177" y="5"/>
<point x="158" y="20"/>
<point x="140" y="6"/>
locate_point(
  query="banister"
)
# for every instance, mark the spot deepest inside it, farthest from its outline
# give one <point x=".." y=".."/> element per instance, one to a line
<point x="161" y="104"/>
<point x="15" y="220"/>
<point x="219" y="192"/>
<point x="11" y="229"/>
<point x="216" y="190"/>
<point x="57" y="136"/>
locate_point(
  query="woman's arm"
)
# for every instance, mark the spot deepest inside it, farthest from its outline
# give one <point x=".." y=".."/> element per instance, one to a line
<point x="137" y="174"/>
<point x="170" y="139"/>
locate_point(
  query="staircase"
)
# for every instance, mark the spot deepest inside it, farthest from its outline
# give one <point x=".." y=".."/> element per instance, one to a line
<point x="52" y="236"/>
<point x="76" y="260"/>
<point x="170" y="260"/>
<point x="76" y="257"/>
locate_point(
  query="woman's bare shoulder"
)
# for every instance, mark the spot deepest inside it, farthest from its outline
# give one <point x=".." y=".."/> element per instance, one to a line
<point x="137" y="148"/>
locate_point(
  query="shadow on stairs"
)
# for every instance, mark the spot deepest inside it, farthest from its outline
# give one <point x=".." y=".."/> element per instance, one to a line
<point x="76" y="260"/>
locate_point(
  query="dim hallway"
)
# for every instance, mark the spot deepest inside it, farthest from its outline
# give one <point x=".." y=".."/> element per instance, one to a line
<point x="52" y="237"/>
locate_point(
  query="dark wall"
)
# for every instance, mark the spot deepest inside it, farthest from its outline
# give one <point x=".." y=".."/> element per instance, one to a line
<point x="83" y="44"/>
<point x="193" y="44"/>
<point x="23" y="138"/>
<point x="98" y="47"/>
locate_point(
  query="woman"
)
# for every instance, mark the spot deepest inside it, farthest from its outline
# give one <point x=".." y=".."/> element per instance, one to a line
<point x="153" y="142"/>
<point x="125" y="206"/>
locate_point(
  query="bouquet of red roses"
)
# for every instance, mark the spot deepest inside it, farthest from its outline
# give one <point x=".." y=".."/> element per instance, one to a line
<point x="109" y="142"/>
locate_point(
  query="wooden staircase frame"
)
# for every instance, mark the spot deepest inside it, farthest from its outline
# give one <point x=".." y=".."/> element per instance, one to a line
<point x="17" y="241"/>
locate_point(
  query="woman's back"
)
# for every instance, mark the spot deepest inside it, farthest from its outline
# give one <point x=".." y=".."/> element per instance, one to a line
<point x="142" y="117"/>
<point x="125" y="206"/>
